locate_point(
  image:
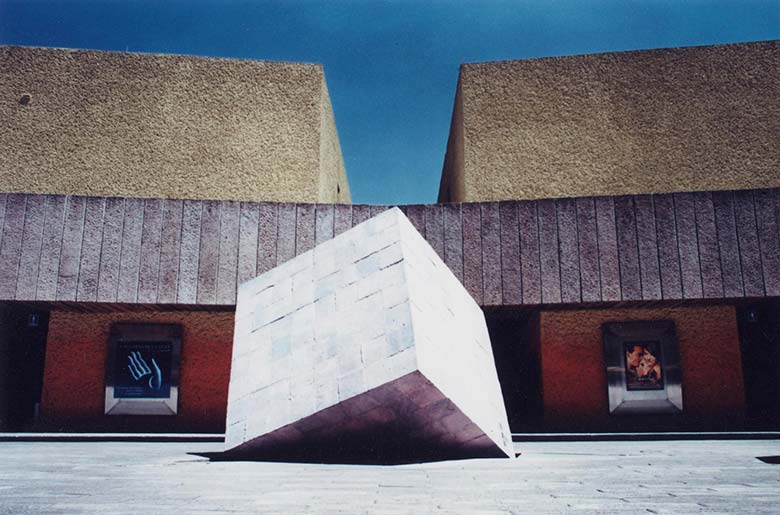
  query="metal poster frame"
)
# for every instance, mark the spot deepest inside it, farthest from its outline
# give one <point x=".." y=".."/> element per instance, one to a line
<point x="626" y="395"/>
<point x="143" y="334"/>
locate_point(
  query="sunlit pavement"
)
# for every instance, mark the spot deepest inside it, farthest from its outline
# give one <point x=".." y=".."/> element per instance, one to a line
<point x="549" y="477"/>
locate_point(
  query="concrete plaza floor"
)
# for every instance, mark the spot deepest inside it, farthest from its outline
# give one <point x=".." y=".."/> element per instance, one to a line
<point x="635" y="477"/>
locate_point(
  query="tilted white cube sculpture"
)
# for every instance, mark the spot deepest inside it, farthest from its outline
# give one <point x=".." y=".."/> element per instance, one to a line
<point x="366" y="348"/>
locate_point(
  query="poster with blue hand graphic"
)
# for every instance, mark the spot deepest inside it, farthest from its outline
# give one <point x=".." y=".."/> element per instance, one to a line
<point x="142" y="370"/>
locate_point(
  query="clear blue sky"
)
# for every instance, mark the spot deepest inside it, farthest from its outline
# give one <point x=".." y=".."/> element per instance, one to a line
<point x="391" y="66"/>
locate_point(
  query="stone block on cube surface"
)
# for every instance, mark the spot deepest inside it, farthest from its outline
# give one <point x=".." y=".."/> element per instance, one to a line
<point x="364" y="349"/>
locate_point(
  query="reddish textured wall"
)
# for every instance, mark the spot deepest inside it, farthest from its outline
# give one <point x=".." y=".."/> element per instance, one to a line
<point x="574" y="385"/>
<point x="74" y="378"/>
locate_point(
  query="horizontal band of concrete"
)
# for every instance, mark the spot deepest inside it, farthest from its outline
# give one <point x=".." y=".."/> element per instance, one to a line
<point x="680" y="246"/>
<point x="111" y="437"/>
<point x="516" y="437"/>
<point x="616" y="437"/>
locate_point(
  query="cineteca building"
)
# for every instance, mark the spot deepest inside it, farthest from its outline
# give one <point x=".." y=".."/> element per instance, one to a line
<point x="615" y="216"/>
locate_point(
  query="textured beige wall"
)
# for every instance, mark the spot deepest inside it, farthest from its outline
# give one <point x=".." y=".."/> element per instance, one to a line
<point x="631" y="122"/>
<point x="106" y="123"/>
<point x="333" y="179"/>
<point x="451" y="187"/>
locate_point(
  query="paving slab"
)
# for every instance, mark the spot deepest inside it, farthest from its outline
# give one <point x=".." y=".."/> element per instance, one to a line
<point x="666" y="477"/>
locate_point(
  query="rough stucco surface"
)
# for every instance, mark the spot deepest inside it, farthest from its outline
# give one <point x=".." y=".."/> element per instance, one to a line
<point x="76" y="355"/>
<point x="574" y="383"/>
<point x="684" y="119"/>
<point x="451" y="188"/>
<point x="106" y="123"/>
<point x="333" y="177"/>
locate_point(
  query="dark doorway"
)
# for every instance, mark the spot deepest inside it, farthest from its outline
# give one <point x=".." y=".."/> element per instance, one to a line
<point x="514" y="338"/>
<point x="22" y="354"/>
<point x="759" y="330"/>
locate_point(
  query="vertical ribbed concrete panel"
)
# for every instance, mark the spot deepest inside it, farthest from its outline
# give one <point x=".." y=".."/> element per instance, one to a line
<point x="364" y="349"/>
<point x="683" y="246"/>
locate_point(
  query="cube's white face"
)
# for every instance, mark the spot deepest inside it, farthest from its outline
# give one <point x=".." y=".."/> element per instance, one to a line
<point x="367" y="331"/>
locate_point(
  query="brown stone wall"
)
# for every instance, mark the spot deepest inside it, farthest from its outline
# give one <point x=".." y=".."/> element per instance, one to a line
<point x="574" y="385"/>
<point x="682" y="119"/>
<point x="74" y="377"/>
<point x="110" y="123"/>
<point x="703" y="245"/>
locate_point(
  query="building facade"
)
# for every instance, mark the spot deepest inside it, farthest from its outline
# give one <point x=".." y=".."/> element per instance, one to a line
<point x="84" y="122"/>
<point x="647" y="310"/>
<point x="620" y="123"/>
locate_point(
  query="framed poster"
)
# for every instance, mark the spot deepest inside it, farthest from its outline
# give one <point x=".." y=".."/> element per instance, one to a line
<point x="142" y="373"/>
<point x="643" y="367"/>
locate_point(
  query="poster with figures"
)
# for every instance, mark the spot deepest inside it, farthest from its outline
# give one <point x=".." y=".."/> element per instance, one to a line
<point x="644" y="368"/>
<point x="142" y="370"/>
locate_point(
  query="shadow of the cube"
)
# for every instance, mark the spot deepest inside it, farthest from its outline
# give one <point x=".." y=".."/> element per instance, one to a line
<point x="405" y="421"/>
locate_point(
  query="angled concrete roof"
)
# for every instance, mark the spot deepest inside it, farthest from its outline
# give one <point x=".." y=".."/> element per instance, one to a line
<point x="650" y="121"/>
<point x="147" y="125"/>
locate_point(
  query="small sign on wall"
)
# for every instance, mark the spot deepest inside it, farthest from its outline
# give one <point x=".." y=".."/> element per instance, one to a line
<point x="643" y="367"/>
<point x="33" y="320"/>
<point x="142" y="374"/>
